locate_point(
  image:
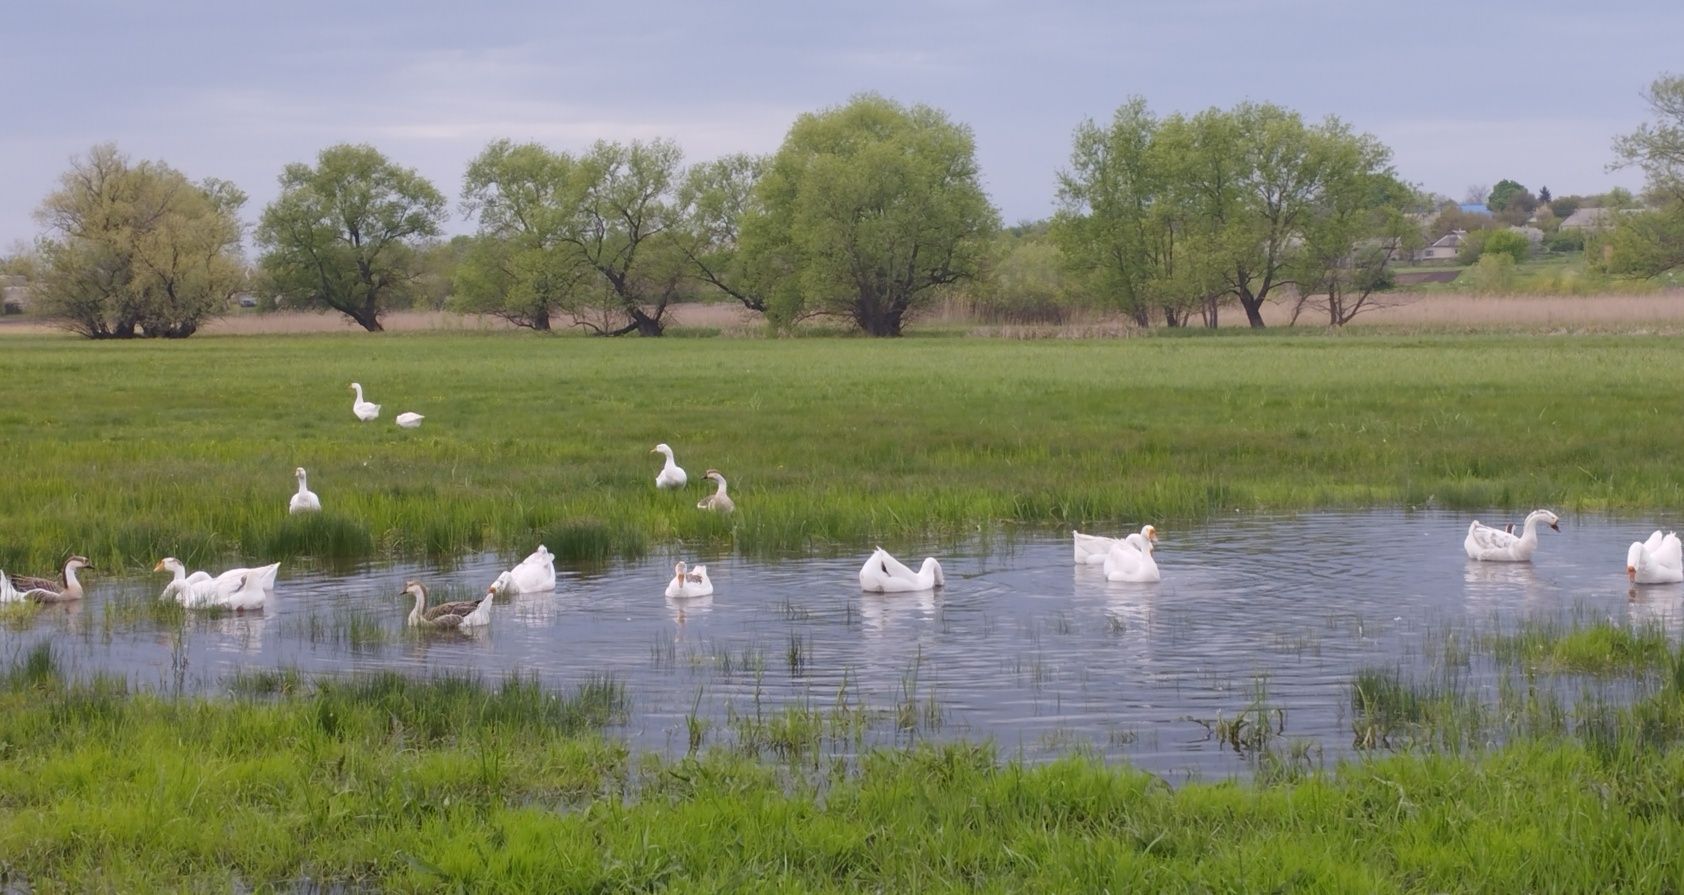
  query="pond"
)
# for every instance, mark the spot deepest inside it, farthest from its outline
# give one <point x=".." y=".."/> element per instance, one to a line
<point x="1022" y="646"/>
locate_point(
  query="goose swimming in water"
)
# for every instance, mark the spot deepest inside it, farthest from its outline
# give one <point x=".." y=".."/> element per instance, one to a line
<point x="460" y="614"/>
<point x="45" y="590"/>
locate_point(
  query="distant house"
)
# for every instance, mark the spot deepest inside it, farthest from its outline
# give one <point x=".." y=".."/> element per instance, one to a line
<point x="14" y="294"/>
<point x="1589" y="219"/>
<point x="1475" y="208"/>
<point x="1445" y="248"/>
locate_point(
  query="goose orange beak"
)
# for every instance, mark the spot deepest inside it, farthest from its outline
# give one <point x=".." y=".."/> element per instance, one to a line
<point x="158" y="566"/>
<point x="1631" y="573"/>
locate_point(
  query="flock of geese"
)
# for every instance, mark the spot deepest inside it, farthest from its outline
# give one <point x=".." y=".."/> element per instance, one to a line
<point x="1657" y="560"/>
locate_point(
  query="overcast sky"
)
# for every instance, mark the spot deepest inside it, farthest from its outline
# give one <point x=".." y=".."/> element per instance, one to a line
<point x="1464" y="93"/>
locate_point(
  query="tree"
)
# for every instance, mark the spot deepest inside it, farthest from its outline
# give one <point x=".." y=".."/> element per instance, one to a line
<point x="1255" y="176"/>
<point x="616" y="223"/>
<point x="1502" y="194"/>
<point x="518" y="267"/>
<point x="866" y="211"/>
<point x="1354" y="230"/>
<point x="342" y="235"/>
<point x="137" y="249"/>
<point x="713" y="201"/>
<point x="1543" y="195"/>
<point x="1651" y="242"/>
<point x="1123" y="222"/>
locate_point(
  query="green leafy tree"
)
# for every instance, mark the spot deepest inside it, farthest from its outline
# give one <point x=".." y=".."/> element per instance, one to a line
<point x="714" y="200"/>
<point x="1543" y="195"/>
<point x="1125" y="219"/>
<point x="1027" y="282"/>
<point x="617" y="223"/>
<point x="343" y="234"/>
<point x="1651" y="242"/>
<point x="867" y="211"/>
<point x="136" y="249"/>
<point x="519" y="267"/>
<point x="1355" y="231"/>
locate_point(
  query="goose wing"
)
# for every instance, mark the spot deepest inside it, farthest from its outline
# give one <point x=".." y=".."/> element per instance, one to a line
<point x="459" y="609"/>
<point x="1488" y="538"/>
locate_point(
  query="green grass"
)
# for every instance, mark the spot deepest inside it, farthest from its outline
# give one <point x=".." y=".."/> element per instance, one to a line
<point x="450" y="784"/>
<point x="129" y="452"/>
<point x="1598" y="648"/>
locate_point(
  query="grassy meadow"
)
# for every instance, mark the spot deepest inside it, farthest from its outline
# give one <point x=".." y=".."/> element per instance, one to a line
<point x="388" y="783"/>
<point x="129" y="452"/>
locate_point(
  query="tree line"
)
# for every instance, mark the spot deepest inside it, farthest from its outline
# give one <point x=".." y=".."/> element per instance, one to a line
<point x="869" y="212"/>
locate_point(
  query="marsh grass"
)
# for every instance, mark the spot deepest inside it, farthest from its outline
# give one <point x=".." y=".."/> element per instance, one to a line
<point x="1601" y="647"/>
<point x="135" y="451"/>
<point x="384" y="783"/>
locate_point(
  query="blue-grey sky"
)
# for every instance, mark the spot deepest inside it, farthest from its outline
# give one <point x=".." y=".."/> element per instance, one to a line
<point x="1464" y="93"/>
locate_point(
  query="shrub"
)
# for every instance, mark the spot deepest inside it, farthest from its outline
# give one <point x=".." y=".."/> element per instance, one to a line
<point x="1507" y="242"/>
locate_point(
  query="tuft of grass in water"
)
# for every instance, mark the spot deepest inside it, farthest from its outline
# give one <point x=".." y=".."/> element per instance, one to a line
<point x="1601" y="647"/>
<point x="136" y="451"/>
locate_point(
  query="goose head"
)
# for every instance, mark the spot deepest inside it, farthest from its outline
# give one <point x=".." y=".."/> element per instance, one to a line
<point x="1546" y="517"/>
<point x="169" y="564"/>
<point x="662" y="448"/>
<point x="298" y="473"/>
<point x="678" y="570"/>
<point x="715" y="475"/>
<point x="77" y="563"/>
<point x="1634" y="558"/>
<point x="415" y="589"/>
<point x="1151" y="533"/>
<point x="503" y="582"/>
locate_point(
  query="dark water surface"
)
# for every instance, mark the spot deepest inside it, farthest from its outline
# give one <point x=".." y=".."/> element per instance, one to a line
<point x="1022" y="646"/>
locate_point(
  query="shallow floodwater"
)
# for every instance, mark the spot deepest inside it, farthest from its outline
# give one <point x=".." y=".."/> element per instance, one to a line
<point x="1022" y="646"/>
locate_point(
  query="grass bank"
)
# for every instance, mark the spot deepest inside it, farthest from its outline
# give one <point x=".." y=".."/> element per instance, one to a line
<point x="450" y="785"/>
<point x="128" y="452"/>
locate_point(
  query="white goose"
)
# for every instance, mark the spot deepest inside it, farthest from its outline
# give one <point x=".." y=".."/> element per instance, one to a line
<point x="461" y="614"/>
<point x="406" y="420"/>
<point x="689" y="582"/>
<point x="45" y="590"/>
<point x="883" y="573"/>
<point x="1659" y="560"/>
<point x="671" y="474"/>
<point x="305" y="501"/>
<point x="233" y="589"/>
<point x="535" y="574"/>
<point x="718" y="501"/>
<point x="1091" y="550"/>
<point x="182" y="581"/>
<point x="1490" y="545"/>
<point x="1130" y="559"/>
<point x="364" y="410"/>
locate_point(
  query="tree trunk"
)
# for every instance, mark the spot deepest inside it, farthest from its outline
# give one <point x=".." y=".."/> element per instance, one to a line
<point x="1253" y="308"/>
<point x="645" y="324"/>
<point x="877" y="315"/>
<point x="541" y="321"/>
<point x="368" y="318"/>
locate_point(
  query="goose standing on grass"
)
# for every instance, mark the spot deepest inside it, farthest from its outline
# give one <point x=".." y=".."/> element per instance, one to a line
<point x="883" y="573"/>
<point x="305" y="501"/>
<point x="535" y="574"/>
<point x="461" y="614"/>
<point x="1659" y="560"/>
<point x="718" y="501"/>
<point x="688" y="582"/>
<point x="671" y="474"/>
<point x="1490" y="545"/>
<point x="45" y="590"/>
<point x="407" y="420"/>
<point x="364" y="410"/>
<point x="1130" y="559"/>
<point x="1091" y="550"/>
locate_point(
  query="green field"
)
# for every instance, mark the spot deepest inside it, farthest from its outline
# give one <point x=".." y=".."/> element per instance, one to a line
<point x="129" y="452"/>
